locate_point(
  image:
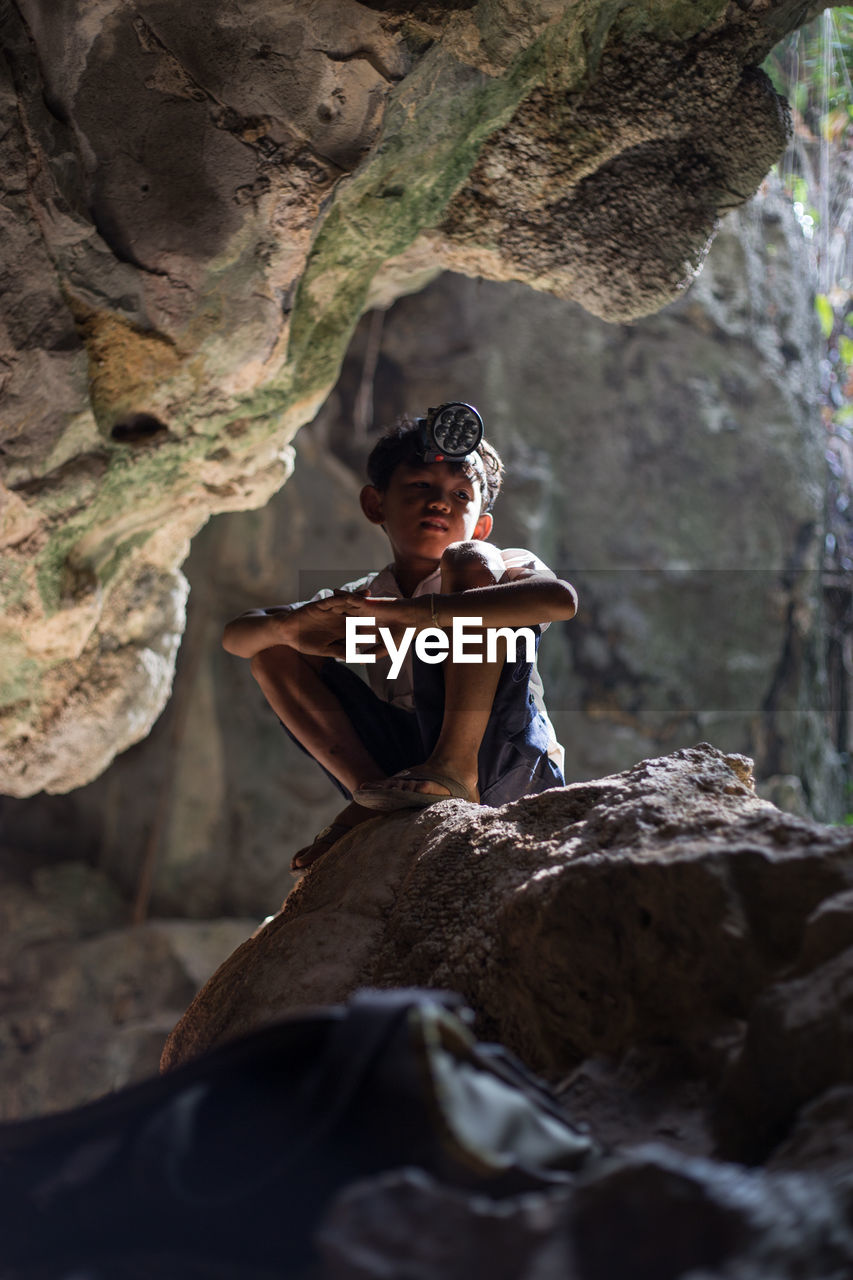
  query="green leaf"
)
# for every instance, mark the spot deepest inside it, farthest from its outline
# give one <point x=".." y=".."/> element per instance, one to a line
<point x="825" y="314"/>
<point x="845" y="348"/>
<point x="801" y="190"/>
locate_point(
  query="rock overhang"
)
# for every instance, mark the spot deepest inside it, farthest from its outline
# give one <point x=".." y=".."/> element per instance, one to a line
<point x="195" y="224"/>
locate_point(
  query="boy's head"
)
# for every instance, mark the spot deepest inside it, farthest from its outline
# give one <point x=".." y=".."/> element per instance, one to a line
<point x="401" y="445"/>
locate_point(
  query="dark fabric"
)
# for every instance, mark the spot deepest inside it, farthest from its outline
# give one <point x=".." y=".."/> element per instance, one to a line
<point x="513" y="759"/>
<point x="231" y="1160"/>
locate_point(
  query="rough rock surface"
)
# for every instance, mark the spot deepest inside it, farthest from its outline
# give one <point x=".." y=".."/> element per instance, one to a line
<point x="658" y="941"/>
<point x="217" y="799"/>
<point x="637" y="1214"/>
<point x="550" y="202"/>
<point x="195" y="212"/>
<point x="671" y="950"/>
<point x="85" y="1001"/>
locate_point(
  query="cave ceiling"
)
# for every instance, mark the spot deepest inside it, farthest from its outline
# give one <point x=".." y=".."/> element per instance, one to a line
<point x="199" y="203"/>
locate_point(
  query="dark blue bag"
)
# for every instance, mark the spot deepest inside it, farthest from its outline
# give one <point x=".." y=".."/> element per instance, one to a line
<point x="227" y="1163"/>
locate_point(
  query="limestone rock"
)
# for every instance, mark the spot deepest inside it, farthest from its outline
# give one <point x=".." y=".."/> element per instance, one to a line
<point x="822" y="1137"/>
<point x="196" y="209"/>
<point x="85" y="1002"/>
<point x="630" y="936"/>
<point x="217" y="793"/>
<point x="538" y="207"/>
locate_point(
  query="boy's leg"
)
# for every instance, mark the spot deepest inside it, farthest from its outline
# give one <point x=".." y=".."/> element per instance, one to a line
<point x="292" y="685"/>
<point x="469" y="688"/>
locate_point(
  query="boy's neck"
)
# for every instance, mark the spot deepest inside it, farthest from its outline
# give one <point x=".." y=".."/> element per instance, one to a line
<point x="409" y="573"/>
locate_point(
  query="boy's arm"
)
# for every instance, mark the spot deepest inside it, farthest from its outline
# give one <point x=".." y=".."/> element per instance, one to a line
<point x="256" y="630"/>
<point x="525" y="600"/>
<point x="526" y="593"/>
<point x="315" y="627"/>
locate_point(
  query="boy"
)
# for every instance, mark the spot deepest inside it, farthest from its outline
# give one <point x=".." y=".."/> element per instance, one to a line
<point x="476" y="731"/>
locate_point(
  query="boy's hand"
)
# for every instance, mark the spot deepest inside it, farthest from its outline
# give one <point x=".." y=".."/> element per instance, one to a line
<point x="385" y="611"/>
<point x="318" y="628"/>
<point x="388" y="611"/>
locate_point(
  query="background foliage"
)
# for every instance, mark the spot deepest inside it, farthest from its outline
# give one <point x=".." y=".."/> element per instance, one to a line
<point x="813" y="68"/>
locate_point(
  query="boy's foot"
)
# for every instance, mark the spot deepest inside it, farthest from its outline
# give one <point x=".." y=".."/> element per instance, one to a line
<point x="352" y="816"/>
<point x="416" y="788"/>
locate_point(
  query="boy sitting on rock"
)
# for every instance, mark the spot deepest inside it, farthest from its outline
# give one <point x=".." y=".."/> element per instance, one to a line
<point x="442" y="721"/>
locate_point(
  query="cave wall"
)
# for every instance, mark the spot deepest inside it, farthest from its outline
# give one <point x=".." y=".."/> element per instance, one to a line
<point x="199" y="205"/>
<point x="673" y="469"/>
<point x="186" y="250"/>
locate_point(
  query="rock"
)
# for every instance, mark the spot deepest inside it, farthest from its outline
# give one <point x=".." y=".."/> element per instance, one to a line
<point x="675" y="1217"/>
<point x="798" y="1045"/>
<point x="218" y="788"/>
<point x="195" y="216"/>
<point x="630" y="937"/>
<point x="822" y="1137"/>
<point x="107" y="692"/>
<point x="786" y="791"/>
<point x="84" y="1002"/>
<point x="550" y="202"/>
<point x="388" y="1225"/>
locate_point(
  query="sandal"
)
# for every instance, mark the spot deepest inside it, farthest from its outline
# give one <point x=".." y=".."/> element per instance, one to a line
<point x="329" y="836"/>
<point x="387" y="799"/>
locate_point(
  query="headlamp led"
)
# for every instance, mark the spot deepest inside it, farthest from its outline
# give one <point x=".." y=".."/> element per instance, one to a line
<point x="450" y="432"/>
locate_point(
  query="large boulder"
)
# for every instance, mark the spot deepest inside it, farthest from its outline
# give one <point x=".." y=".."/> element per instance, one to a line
<point x="630" y="937"/>
<point x="198" y="209"/>
<point x="669" y="949"/>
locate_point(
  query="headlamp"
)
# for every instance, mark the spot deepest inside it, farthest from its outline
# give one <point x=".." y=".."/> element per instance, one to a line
<point x="450" y="432"/>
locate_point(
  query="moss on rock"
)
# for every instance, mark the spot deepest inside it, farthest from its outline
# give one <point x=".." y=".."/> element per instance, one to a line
<point x="215" y="233"/>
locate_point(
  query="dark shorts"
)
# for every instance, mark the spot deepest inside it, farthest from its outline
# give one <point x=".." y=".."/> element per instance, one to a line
<point x="513" y="759"/>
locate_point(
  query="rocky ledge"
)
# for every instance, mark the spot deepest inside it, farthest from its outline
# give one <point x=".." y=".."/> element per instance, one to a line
<point x="672" y="951"/>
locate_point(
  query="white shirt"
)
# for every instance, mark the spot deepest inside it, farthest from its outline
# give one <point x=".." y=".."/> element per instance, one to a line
<point x="399" y="691"/>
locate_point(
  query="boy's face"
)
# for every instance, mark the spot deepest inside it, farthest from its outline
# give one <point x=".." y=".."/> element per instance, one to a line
<point x="426" y="506"/>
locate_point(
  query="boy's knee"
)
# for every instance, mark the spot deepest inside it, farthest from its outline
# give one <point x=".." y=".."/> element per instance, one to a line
<point x="260" y="664"/>
<point x="275" y="661"/>
<point x="470" y="564"/>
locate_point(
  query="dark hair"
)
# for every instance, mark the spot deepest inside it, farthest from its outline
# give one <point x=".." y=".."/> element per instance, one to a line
<point x="400" y="446"/>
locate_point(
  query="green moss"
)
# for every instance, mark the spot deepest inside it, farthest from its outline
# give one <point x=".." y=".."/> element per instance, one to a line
<point x="109" y="569"/>
<point x="19" y="676"/>
<point x="14" y="579"/>
<point x="435" y="126"/>
<point x="669" y="19"/>
<point x="52" y="562"/>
